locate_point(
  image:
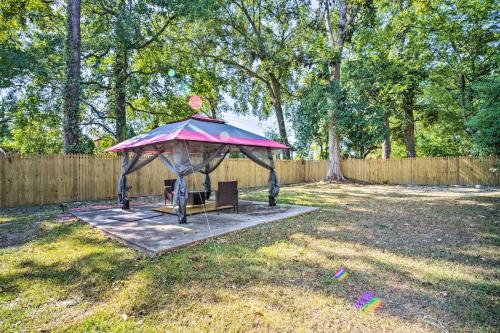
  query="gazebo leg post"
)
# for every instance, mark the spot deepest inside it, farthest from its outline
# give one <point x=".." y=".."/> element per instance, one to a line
<point x="126" y="204"/>
<point x="272" y="201"/>
<point x="122" y="187"/>
<point x="181" y="214"/>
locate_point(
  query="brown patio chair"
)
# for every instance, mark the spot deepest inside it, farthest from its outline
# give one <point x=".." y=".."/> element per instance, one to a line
<point x="227" y="195"/>
<point x="168" y="190"/>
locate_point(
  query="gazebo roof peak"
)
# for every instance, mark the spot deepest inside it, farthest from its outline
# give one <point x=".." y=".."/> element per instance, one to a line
<point x="202" y="117"/>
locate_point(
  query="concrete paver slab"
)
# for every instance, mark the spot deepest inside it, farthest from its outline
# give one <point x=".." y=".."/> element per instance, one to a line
<point x="141" y="229"/>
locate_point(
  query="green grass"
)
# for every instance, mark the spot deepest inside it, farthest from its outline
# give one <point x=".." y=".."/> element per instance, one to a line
<point x="430" y="254"/>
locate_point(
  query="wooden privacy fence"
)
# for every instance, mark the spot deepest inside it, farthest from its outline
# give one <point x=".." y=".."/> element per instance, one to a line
<point x="417" y="171"/>
<point x="425" y="171"/>
<point x="34" y="180"/>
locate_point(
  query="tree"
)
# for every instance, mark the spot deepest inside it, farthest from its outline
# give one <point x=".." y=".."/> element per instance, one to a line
<point x="131" y="37"/>
<point x="31" y="75"/>
<point x="180" y="74"/>
<point x="71" y="109"/>
<point x="355" y="77"/>
<point x="485" y="124"/>
<point x="360" y="119"/>
<point x="255" y="41"/>
<point x="410" y="45"/>
<point x="347" y="14"/>
<point x="464" y="35"/>
<point x="310" y="118"/>
<point x="122" y="39"/>
<point x="396" y="61"/>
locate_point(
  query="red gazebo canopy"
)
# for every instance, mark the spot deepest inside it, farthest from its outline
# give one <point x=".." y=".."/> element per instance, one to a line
<point x="197" y="128"/>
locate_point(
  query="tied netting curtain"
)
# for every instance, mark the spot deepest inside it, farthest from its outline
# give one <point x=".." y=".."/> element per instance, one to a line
<point x="274" y="188"/>
<point x="129" y="166"/>
<point x="209" y="168"/>
<point x="184" y="164"/>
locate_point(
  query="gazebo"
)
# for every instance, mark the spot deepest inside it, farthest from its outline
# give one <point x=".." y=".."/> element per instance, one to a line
<point x="195" y="144"/>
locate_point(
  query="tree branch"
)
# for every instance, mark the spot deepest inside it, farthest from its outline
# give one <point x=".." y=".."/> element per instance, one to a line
<point x="328" y="25"/>
<point x="145" y="111"/>
<point x="100" y="85"/>
<point x="105" y="127"/>
<point x="95" y="54"/>
<point x="226" y="61"/>
<point x="368" y="150"/>
<point x="352" y="21"/>
<point x="100" y="114"/>
<point x="247" y="15"/>
<point x="106" y="9"/>
<point x="155" y="37"/>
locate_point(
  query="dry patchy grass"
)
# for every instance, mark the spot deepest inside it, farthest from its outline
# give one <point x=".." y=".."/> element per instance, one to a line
<point x="429" y="253"/>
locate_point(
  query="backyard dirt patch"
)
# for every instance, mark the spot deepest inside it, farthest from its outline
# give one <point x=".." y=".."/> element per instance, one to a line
<point x="431" y="254"/>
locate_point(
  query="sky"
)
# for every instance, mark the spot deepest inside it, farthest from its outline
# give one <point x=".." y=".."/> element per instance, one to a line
<point x="248" y="122"/>
<point x="252" y="123"/>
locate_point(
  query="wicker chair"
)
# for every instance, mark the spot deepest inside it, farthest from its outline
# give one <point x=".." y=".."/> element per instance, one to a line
<point x="227" y="195"/>
<point x="168" y="190"/>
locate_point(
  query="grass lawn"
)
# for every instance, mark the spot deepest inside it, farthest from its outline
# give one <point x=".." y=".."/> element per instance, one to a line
<point x="431" y="254"/>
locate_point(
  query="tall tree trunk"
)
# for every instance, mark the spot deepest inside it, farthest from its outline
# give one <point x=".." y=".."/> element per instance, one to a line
<point x="71" y="111"/>
<point x="278" y="109"/>
<point x="334" y="171"/>
<point x="120" y="79"/>
<point x="212" y="104"/>
<point x="386" y="144"/>
<point x="336" y="47"/>
<point x="386" y="148"/>
<point x="409" y="125"/>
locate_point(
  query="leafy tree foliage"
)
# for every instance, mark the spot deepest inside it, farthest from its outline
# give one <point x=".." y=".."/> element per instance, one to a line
<point x="485" y="124"/>
<point x="31" y="75"/>
<point x="356" y="78"/>
<point x="255" y="41"/>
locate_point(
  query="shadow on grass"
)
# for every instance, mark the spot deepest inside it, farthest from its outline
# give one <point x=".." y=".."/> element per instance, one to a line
<point x="18" y="230"/>
<point x="68" y="257"/>
<point x="182" y="277"/>
<point x="462" y="302"/>
<point x="214" y="268"/>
